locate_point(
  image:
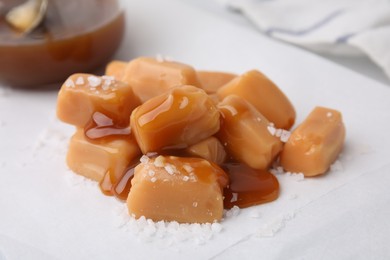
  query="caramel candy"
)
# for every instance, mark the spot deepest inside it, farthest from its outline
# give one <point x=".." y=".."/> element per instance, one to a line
<point x="151" y="77"/>
<point x="210" y="149"/>
<point x="94" y="159"/>
<point x="315" y="144"/>
<point x="264" y="95"/>
<point x="244" y="132"/>
<point x="186" y="190"/>
<point x="177" y="119"/>
<point x="211" y="81"/>
<point x="116" y="69"/>
<point x="82" y="95"/>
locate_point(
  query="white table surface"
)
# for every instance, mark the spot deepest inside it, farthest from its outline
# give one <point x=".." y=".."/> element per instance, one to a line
<point x="342" y="215"/>
<point x="361" y="65"/>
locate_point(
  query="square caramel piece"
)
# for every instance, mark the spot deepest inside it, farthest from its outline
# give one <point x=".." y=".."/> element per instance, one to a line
<point x="244" y="132"/>
<point x="315" y="144"/>
<point x="83" y="94"/>
<point x="264" y="95"/>
<point x="93" y="159"/>
<point x="186" y="190"/>
<point x="151" y="77"/>
<point x="177" y="119"/>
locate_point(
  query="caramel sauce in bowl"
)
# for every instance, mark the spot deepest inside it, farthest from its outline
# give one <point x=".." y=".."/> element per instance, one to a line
<point x="75" y="36"/>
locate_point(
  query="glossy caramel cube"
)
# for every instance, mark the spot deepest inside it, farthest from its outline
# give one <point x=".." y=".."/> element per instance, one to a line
<point x="211" y="81"/>
<point x="93" y="159"/>
<point x="151" y="77"/>
<point x="315" y="144"/>
<point x="210" y="149"/>
<point x="83" y="94"/>
<point x="177" y="119"/>
<point x="244" y="132"/>
<point x="116" y="69"/>
<point x="264" y="95"/>
<point x="186" y="190"/>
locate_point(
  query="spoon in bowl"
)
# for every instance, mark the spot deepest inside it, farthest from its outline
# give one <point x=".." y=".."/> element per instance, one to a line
<point x="27" y="16"/>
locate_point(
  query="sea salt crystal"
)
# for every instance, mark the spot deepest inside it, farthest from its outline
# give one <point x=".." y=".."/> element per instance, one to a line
<point x="151" y="173"/>
<point x="94" y="81"/>
<point x="216" y="227"/>
<point x="278" y="132"/>
<point x="329" y="114"/>
<point x="233" y="212"/>
<point x="195" y="204"/>
<point x="69" y="83"/>
<point x="80" y="81"/>
<point x="285" y="136"/>
<point x="159" y="161"/>
<point x="171" y="169"/>
<point x="144" y="159"/>
<point x="186" y="178"/>
<point x="154" y="179"/>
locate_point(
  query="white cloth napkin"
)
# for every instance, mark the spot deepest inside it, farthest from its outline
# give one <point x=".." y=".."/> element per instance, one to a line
<point x="340" y="27"/>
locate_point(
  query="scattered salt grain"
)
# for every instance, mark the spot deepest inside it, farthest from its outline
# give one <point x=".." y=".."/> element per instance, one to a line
<point x="186" y="178"/>
<point x="151" y="173"/>
<point x="285" y="136"/>
<point x="216" y="227"/>
<point x="258" y="119"/>
<point x="171" y="169"/>
<point x="69" y="83"/>
<point x="195" y="204"/>
<point x="94" y="81"/>
<point x="278" y="132"/>
<point x="329" y="114"/>
<point x="144" y="159"/>
<point x="159" y="161"/>
<point x="154" y="179"/>
<point x="80" y="81"/>
<point x="233" y="212"/>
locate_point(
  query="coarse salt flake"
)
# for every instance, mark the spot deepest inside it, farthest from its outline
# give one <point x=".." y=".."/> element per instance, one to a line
<point x="285" y="136"/>
<point x="171" y="169"/>
<point x="151" y="173"/>
<point x="69" y="83"/>
<point x="144" y="159"/>
<point x="159" y="161"/>
<point x="94" y="81"/>
<point x="80" y="81"/>
<point x="186" y="178"/>
<point x="153" y="179"/>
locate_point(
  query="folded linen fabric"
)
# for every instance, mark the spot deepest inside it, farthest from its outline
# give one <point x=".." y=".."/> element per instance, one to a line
<point x="340" y="27"/>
